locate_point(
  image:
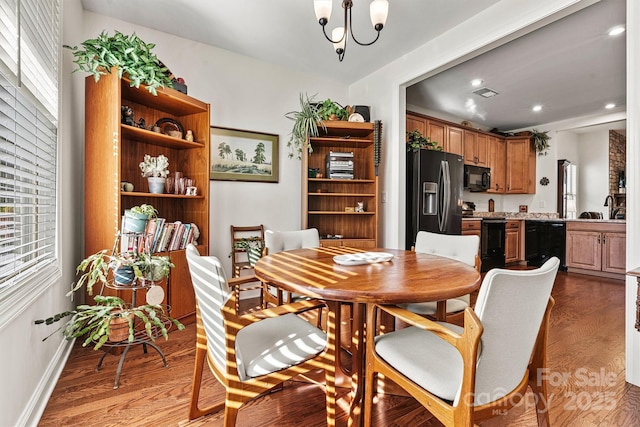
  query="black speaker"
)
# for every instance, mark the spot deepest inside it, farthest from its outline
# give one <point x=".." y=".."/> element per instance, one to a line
<point x="363" y="110"/>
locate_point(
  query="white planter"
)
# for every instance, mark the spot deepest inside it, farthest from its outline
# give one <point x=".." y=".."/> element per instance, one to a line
<point x="156" y="185"/>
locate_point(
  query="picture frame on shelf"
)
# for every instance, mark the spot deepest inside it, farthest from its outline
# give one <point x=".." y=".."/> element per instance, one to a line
<point x="243" y="155"/>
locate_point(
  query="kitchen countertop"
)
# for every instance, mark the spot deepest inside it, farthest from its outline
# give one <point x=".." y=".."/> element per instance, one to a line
<point x="537" y="216"/>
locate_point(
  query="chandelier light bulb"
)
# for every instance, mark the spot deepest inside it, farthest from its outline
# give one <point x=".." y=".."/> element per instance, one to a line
<point x="340" y="37"/>
<point x="379" y="9"/>
<point x="323" y="10"/>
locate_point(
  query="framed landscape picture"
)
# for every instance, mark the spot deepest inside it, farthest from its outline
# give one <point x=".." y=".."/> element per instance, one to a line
<point x="243" y="155"/>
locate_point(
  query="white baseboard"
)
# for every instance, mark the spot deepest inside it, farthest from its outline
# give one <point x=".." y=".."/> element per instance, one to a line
<point x="40" y="397"/>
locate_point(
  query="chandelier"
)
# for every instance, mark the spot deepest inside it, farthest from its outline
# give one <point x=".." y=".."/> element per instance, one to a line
<point x="378" y="10"/>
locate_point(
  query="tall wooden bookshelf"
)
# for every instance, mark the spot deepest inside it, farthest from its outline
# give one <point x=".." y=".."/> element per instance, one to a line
<point x="113" y="152"/>
<point x="326" y="202"/>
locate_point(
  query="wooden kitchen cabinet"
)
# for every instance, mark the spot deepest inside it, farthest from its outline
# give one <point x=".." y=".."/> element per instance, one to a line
<point x="475" y="148"/>
<point x="512" y="241"/>
<point x="455" y="141"/>
<point x="596" y="248"/>
<point x="497" y="164"/>
<point x="520" y="165"/>
<point x="415" y="122"/>
<point x="472" y="227"/>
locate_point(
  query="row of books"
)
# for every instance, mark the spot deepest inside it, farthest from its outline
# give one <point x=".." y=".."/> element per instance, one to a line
<point x="159" y="236"/>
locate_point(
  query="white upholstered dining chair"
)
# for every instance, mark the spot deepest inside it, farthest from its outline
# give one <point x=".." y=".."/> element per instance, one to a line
<point x="460" y="248"/>
<point x="463" y="375"/>
<point x="253" y="353"/>
<point x="278" y="241"/>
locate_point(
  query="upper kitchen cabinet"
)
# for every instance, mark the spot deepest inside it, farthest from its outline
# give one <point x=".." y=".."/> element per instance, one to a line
<point x="520" y="166"/>
<point x="497" y="163"/>
<point x="475" y="148"/>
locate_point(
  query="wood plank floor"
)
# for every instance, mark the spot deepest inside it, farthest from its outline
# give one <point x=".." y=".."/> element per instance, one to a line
<point x="586" y="368"/>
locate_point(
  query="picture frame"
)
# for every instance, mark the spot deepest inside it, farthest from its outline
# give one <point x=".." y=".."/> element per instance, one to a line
<point x="234" y="151"/>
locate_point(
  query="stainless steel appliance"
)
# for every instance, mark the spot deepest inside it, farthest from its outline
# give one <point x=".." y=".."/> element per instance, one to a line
<point x="434" y="193"/>
<point x="476" y="178"/>
<point x="492" y="243"/>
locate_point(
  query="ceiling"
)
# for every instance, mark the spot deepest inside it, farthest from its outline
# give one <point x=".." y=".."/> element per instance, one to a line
<point x="570" y="67"/>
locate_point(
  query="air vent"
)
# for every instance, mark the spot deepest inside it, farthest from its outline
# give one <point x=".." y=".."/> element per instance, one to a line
<point x="485" y="92"/>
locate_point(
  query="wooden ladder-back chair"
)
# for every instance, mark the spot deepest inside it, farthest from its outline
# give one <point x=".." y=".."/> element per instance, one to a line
<point x="253" y="353"/>
<point x="278" y="241"/>
<point x="444" y="367"/>
<point x="243" y="260"/>
<point x="460" y="248"/>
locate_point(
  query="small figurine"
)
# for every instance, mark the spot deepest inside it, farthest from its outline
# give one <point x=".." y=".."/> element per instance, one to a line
<point x="189" y="136"/>
<point x="127" y="115"/>
<point x="360" y="207"/>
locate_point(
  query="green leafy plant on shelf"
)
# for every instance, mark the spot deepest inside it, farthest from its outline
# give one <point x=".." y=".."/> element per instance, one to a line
<point x="541" y="142"/>
<point x="416" y="141"/>
<point x="305" y="125"/>
<point x="330" y="110"/>
<point x="129" y="54"/>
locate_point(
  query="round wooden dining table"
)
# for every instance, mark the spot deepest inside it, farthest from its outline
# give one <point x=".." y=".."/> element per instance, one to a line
<point x="407" y="277"/>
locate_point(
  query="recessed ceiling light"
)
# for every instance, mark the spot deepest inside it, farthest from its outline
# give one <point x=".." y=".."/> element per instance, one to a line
<point x="616" y="30"/>
<point x="610" y="105"/>
<point x="476" y="82"/>
<point x="537" y="108"/>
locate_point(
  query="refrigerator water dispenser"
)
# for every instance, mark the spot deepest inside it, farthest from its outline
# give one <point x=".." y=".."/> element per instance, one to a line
<point x="429" y="198"/>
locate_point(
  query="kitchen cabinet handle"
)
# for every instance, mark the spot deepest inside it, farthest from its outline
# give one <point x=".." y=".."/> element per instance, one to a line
<point x="599" y="240"/>
<point x="604" y="240"/>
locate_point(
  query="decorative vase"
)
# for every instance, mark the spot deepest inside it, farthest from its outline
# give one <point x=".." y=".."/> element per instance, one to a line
<point x="124" y="275"/>
<point x="156" y="185"/>
<point x="134" y="222"/>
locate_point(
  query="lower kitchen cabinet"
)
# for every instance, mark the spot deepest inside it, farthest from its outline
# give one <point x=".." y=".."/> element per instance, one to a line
<point x="597" y="248"/>
<point x="512" y="241"/>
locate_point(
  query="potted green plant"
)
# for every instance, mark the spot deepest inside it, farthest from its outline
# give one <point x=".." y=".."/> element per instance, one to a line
<point x="154" y="267"/>
<point x="253" y="246"/>
<point x="104" y="321"/>
<point x="136" y="218"/>
<point x="541" y="141"/>
<point x="305" y="125"/>
<point x="129" y="54"/>
<point x="330" y="110"/>
<point x="416" y="141"/>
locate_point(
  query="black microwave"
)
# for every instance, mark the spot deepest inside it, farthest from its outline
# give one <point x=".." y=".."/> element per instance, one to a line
<point x="476" y="178"/>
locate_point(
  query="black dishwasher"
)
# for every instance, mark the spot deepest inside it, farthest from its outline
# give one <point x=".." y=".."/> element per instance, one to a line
<point x="544" y="239"/>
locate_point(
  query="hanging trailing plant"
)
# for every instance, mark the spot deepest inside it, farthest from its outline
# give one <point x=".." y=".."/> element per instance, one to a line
<point x="541" y="141"/>
<point x="130" y="54"/>
<point x="305" y="125"/>
<point x="416" y="141"/>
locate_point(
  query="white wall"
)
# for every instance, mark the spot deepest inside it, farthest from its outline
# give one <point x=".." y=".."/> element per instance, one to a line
<point x="593" y="172"/>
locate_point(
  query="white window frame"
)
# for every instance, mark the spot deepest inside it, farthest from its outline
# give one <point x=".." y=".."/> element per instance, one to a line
<point x="30" y="62"/>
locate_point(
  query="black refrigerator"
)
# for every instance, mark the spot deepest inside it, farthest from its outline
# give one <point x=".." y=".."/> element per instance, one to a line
<point x="434" y="193"/>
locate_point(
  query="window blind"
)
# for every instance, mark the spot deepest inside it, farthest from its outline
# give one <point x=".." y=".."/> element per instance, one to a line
<point x="29" y="57"/>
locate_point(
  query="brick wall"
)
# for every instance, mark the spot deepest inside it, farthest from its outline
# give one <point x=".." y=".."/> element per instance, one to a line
<point x="617" y="158"/>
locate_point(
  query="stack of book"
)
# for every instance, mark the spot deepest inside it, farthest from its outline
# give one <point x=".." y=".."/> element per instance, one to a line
<point x="159" y="236"/>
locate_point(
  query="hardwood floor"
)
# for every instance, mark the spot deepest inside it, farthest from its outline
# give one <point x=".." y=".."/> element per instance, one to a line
<point x="586" y="370"/>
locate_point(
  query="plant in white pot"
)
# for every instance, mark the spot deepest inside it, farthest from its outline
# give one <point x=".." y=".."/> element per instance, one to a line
<point x="156" y="169"/>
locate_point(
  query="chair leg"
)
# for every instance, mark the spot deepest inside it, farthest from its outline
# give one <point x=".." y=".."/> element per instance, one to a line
<point x="369" y="373"/>
<point x="537" y="366"/>
<point x="194" y="410"/>
<point x="331" y="370"/>
<point x="231" y="412"/>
